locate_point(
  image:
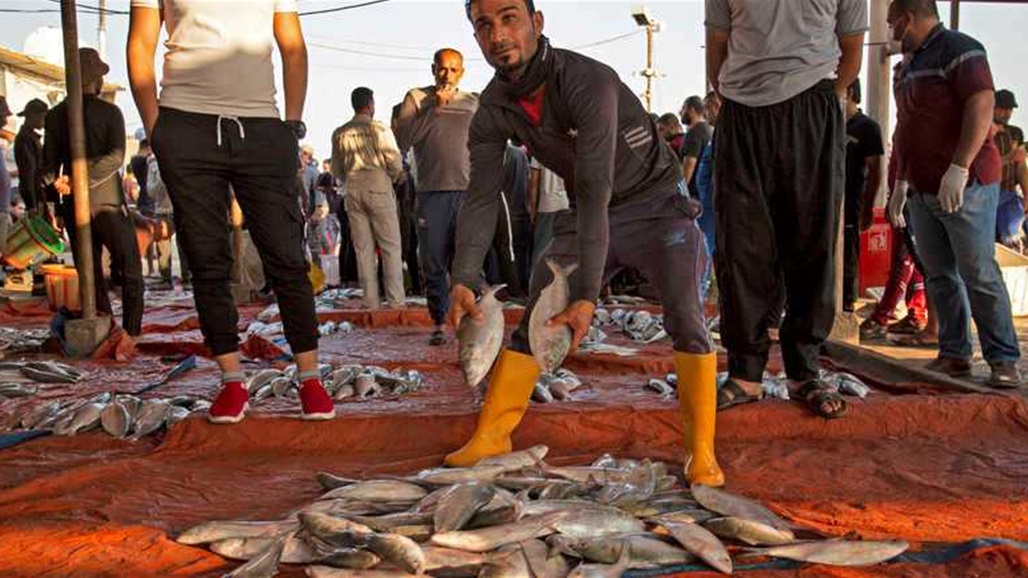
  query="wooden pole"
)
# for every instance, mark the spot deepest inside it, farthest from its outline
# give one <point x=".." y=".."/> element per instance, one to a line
<point x="954" y="15"/>
<point x="79" y="172"/>
<point x="649" y="68"/>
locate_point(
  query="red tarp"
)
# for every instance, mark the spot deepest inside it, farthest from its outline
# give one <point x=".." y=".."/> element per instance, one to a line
<point x="927" y="468"/>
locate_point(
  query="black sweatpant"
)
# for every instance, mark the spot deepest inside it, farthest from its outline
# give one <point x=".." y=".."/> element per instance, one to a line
<point x="201" y="157"/>
<point x="778" y="180"/>
<point x="851" y="266"/>
<point x="112" y="229"/>
<point x="437" y="230"/>
<point x="654" y="234"/>
<point x="347" y="253"/>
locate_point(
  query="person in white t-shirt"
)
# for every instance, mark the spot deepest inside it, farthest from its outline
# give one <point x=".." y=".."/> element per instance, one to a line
<point x="547" y="196"/>
<point x="216" y="126"/>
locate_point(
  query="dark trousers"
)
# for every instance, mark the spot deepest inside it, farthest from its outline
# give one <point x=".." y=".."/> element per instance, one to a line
<point x="347" y="252"/>
<point x="508" y="260"/>
<point x="112" y="229"/>
<point x="437" y="228"/>
<point x="655" y="236"/>
<point x="851" y="266"/>
<point x="409" y="242"/>
<point x="778" y="183"/>
<point x="201" y="159"/>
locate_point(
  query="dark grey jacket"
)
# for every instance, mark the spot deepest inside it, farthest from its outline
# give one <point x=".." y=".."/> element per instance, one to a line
<point x="594" y="133"/>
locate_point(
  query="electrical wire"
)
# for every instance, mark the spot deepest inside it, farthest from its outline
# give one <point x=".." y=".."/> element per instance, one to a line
<point x="342" y="8"/>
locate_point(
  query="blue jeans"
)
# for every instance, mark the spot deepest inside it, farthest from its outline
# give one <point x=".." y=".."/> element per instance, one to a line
<point x="962" y="275"/>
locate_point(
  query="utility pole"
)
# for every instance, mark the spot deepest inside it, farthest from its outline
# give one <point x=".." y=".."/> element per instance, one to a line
<point x="101" y="31"/>
<point x="879" y="75"/>
<point x="954" y="15"/>
<point x="642" y="17"/>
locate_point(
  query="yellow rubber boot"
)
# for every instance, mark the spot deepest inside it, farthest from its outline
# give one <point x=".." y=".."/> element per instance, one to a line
<point x="697" y="403"/>
<point x="506" y="400"/>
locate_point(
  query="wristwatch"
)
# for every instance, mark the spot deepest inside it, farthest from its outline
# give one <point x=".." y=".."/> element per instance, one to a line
<point x="299" y="129"/>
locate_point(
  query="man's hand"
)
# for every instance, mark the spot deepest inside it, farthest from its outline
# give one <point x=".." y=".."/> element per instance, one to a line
<point x="462" y="302"/>
<point x="897" y="202"/>
<point x="63" y="185"/>
<point x="951" y="189"/>
<point x="444" y="94"/>
<point x="579" y="317"/>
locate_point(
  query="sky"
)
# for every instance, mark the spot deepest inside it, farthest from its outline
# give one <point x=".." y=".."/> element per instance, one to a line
<point x="388" y="47"/>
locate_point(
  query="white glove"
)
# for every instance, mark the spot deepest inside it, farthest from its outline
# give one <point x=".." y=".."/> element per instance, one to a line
<point x="897" y="201"/>
<point x="951" y="189"/>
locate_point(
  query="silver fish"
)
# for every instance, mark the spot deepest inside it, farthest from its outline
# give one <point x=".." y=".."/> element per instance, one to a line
<point x="398" y="550"/>
<point x="295" y="551"/>
<point x="836" y="552"/>
<point x="449" y="476"/>
<point x="561" y="388"/>
<point x="644" y="549"/>
<point x="542" y="393"/>
<point x="115" y="419"/>
<point x="457" y="508"/>
<point x="481" y="341"/>
<point x="600" y="521"/>
<point x="351" y="558"/>
<point x="508" y="562"/>
<point x="48" y="375"/>
<point x="378" y="491"/>
<point x="540" y="563"/>
<point x="390" y="522"/>
<point x="727" y="504"/>
<point x="550" y="345"/>
<point x="513" y="461"/>
<point x="177" y="414"/>
<point x="605" y="570"/>
<point x="488" y="539"/>
<point x="331" y="481"/>
<point x="450" y="562"/>
<point x="152" y="416"/>
<point x="365" y="384"/>
<point x="280" y="386"/>
<point x="344" y="391"/>
<point x="332" y="530"/>
<point x="701" y="542"/>
<point x="39" y="413"/>
<point x="12" y="390"/>
<point x="660" y="386"/>
<point x="320" y="571"/>
<point x="264" y="565"/>
<point x="214" y="531"/>
<point x="85" y="418"/>
<point x="751" y="532"/>
<point x="261" y="378"/>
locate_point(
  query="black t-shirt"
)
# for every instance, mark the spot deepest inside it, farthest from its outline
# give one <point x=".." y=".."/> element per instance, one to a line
<point x="696" y="139"/>
<point x="863" y="140"/>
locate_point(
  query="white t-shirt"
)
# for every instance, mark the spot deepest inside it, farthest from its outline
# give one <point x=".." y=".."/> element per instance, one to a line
<point x="219" y="55"/>
<point x="553" y="197"/>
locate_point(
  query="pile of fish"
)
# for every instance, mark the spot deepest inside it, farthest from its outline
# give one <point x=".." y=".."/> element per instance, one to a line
<point x="616" y="300"/>
<point x="517" y="516"/>
<point x="22" y="340"/>
<point x="556" y="386"/>
<point x="641" y="326"/>
<point x="341" y="382"/>
<point x="774" y="386"/>
<point x="120" y="415"/>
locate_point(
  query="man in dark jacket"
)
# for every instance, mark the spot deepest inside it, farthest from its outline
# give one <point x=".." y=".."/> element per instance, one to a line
<point x="110" y="224"/>
<point x="630" y="208"/>
<point x="28" y="155"/>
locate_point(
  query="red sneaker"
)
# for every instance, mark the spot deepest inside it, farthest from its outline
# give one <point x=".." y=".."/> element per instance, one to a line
<point x="316" y="403"/>
<point x="231" y="404"/>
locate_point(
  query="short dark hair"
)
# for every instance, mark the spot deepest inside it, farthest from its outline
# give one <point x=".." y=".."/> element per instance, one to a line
<point x="529" y="4"/>
<point x="855" y="92"/>
<point x="696" y="103"/>
<point x="919" y="7"/>
<point x="361" y="97"/>
<point x="670" y="121"/>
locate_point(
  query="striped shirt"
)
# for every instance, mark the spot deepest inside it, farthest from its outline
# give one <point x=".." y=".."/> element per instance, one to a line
<point x="944" y="73"/>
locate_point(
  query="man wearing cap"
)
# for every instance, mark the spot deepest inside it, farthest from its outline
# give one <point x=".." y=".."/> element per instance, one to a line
<point x="217" y="127"/>
<point x="1010" y="142"/>
<point x="5" y="184"/>
<point x="110" y="225"/>
<point x="28" y="155"/>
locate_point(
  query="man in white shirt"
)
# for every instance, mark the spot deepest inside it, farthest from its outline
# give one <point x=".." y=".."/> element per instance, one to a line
<point x="365" y="156"/>
<point x="216" y="126"/>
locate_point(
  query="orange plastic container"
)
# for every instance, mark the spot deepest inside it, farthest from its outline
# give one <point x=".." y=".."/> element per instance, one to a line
<point x="62" y="287"/>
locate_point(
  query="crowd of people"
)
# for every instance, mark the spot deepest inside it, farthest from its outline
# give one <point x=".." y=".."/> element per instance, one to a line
<point x="738" y="198"/>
